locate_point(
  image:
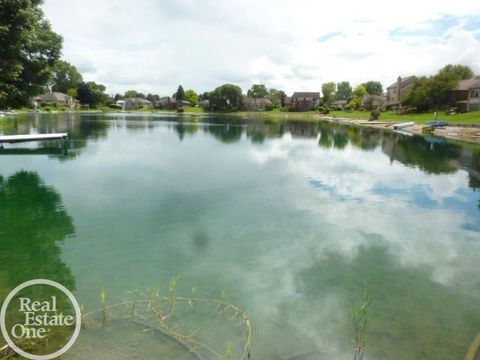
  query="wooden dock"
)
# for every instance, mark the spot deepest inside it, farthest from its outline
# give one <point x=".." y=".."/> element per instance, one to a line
<point x="32" y="137"/>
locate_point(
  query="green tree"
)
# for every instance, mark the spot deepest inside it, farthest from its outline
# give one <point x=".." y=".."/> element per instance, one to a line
<point x="64" y="77"/>
<point x="344" y="91"/>
<point x="226" y="97"/>
<point x="373" y="87"/>
<point x="461" y="72"/>
<point x="257" y="91"/>
<point x="436" y="91"/>
<point x="91" y="94"/>
<point x="85" y="94"/>
<point x="73" y="92"/>
<point x="131" y="94"/>
<point x="419" y="96"/>
<point x="28" y="50"/>
<point x="98" y="90"/>
<point x="328" y="92"/>
<point x="191" y="96"/>
<point x="205" y="95"/>
<point x="445" y="81"/>
<point x="358" y="95"/>
<point x="180" y="94"/>
<point x="277" y="97"/>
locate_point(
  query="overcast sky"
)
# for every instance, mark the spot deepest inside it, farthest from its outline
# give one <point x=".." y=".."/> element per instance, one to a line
<point x="155" y="45"/>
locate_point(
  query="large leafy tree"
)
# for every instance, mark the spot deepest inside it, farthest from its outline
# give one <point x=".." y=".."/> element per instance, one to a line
<point x="191" y="96"/>
<point x="344" y="91"/>
<point x="460" y="72"/>
<point x="91" y="93"/>
<point x="373" y="87"/>
<point x="328" y="92"/>
<point x="257" y="91"/>
<point x="277" y="97"/>
<point x="28" y="50"/>
<point x="358" y="95"/>
<point x="444" y="81"/>
<point x="419" y="96"/>
<point x="131" y="94"/>
<point x="226" y="97"/>
<point x="64" y="77"/>
<point x="435" y="92"/>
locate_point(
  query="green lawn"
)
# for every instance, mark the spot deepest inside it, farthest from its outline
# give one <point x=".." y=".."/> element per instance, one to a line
<point x="465" y="118"/>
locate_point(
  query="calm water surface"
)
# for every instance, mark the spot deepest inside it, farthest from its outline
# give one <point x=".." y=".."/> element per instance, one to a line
<point x="291" y="220"/>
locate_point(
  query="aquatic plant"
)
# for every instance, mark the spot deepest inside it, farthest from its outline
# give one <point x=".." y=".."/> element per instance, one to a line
<point x="159" y="313"/>
<point x="359" y="316"/>
<point x="103" y="298"/>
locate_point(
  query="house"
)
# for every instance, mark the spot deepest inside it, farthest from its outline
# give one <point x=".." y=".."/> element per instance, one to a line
<point x="466" y="95"/>
<point x="58" y="98"/>
<point x="171" y="103"/>
<point x="133" y="103"/>
<point x="370" y="102"/>
<point x="254" y="104"/>
<point x="204" y="104"/>
<point x="303" y="101"/>
<point x="398" y="90"/>
<point x="340" y="104"/>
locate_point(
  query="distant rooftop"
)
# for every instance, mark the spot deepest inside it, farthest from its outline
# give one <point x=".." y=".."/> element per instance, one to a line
<point x="405" y="79"/>
<point x="54" y="96"/>
<point x="468" y="84"/>
<point x="306" y="94"/>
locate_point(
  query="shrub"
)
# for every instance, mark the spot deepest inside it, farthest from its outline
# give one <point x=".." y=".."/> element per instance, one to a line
<point x="47" y="108"/>
<point x="51" y="104"/>
<point x="375" y="114"/>
<point x="324" y="109"/>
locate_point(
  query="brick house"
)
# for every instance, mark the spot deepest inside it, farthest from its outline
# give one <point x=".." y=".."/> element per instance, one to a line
<point x="466" y="95"/>
<point x="303" y="101"/>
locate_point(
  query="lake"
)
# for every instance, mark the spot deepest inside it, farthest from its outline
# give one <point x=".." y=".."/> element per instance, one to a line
<point x="291" y="221"/>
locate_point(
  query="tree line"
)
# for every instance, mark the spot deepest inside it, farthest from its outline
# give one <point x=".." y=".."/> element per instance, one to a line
<point x="31" y="64"/>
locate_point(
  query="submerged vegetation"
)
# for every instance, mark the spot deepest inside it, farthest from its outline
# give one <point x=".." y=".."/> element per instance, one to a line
<point x="359" y="316"/>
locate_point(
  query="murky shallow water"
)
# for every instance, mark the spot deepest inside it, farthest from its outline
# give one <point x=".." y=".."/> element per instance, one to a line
<point x="291" y="220"/>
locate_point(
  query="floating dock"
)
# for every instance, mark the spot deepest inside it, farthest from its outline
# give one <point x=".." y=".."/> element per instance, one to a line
<point x="32" y="137"/>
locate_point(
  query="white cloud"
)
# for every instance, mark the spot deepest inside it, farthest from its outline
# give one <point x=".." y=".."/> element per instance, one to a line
<point x="155" y="45"/>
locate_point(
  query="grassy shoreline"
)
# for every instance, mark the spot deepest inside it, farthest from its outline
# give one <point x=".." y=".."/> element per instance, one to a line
<point x="471" y="118"/>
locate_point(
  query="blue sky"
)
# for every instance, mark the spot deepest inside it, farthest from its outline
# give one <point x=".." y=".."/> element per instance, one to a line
<point x="294" y="45"/>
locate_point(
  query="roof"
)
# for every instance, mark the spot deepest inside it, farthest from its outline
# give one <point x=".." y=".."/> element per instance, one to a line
<point x="404" y="80"/>
<point x="260" y="101"/>
<point x="54" y="96"/>
<point x="313" y="95"/>
<point x="138" y="100"/>
<point x="468" y="84"/>
<point x="375" y="97"/>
